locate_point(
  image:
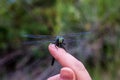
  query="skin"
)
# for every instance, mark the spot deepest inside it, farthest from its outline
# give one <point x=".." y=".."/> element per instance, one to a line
<point x="72" y="69"/>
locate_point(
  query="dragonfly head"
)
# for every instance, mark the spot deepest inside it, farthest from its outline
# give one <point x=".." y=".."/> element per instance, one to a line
<point x="60" y="39"/>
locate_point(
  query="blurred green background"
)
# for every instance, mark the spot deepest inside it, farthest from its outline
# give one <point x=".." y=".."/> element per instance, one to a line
<point x="101" y="17"/>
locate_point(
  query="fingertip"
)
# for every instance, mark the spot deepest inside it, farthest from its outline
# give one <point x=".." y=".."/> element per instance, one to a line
<point x="51" y="45"/>
<point x="67" y="74"/>
<point x="54" y="50"/>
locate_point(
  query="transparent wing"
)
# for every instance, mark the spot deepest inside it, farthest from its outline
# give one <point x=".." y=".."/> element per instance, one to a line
<point x="77" y="34"/>
<point x="71" y="37"/>
<point x="38" y="39"/>
<point x="39" y="36"/>
<point x="51" y="36"/>
<point x="37" y="42"/>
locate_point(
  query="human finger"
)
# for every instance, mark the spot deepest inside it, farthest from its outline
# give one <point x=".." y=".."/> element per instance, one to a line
<point x="67" y="60"/>
<point x="65" y="74"/>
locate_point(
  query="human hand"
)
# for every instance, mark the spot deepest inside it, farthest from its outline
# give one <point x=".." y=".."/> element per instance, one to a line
<point x="72" y="69"/>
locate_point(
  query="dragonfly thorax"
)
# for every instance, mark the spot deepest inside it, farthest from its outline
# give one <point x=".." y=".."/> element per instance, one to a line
<point x="59" y="39"/>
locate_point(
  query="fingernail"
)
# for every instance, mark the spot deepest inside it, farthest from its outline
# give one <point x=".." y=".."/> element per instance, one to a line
<point x="66" y="75"/>
<point x="52" y="45"/>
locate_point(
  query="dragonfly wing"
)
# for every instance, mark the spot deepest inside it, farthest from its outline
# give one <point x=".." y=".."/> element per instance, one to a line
<point x="39" y="36"/>
<point x="37" y="42"/>
<point x="76" y="34"/>
<point x="72" y="40"/>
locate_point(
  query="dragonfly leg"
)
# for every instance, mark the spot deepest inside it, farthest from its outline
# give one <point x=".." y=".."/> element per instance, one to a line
<point x="56" y="47"/>
<point x="55" y="44"/>
<point x="62" y="46"/>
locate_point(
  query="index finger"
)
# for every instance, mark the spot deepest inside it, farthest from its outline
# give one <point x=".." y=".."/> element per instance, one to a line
<point x="67" y="60"/>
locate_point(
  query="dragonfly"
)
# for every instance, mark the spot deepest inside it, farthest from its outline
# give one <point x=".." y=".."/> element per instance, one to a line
<point x="59" y="41"/>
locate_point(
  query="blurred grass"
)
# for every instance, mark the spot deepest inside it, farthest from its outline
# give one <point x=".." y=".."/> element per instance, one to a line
<point x="19" y="17"/>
